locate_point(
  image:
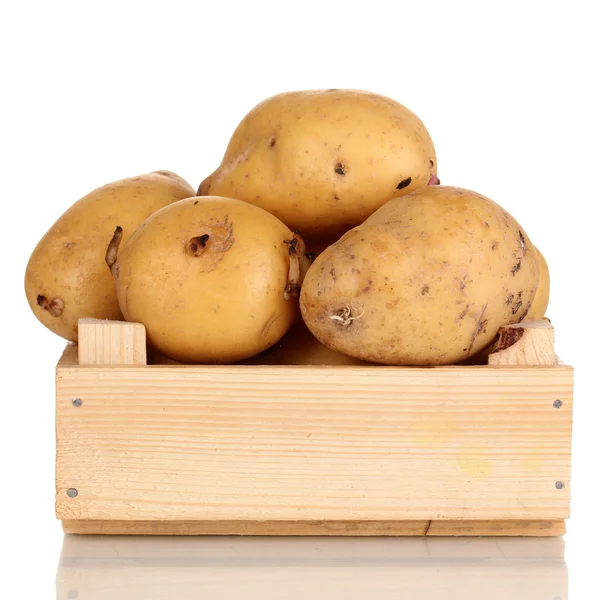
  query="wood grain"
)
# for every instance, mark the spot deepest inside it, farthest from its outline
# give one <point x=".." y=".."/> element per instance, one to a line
<point x="528" y="343"/>
<point x="319" y="528"/>
<point x="313" y="443"/>
<point x="102" y="342"/>
<point x="497" y="528"/>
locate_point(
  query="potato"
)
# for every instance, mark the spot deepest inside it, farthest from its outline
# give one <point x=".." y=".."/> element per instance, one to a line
<point x="214" y="280"/>
<point x="541" y="300"/>
<point x="66" y="277"/>
<point x="427" y="280"/>
<point x="323" y="161"/>
<point x="300" y="347"/>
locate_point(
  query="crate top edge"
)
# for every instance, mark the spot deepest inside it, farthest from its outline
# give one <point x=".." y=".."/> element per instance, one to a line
<point x="68" y="360"/>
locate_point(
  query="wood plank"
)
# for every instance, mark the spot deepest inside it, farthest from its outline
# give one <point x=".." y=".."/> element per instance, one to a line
<point x="319" y="528"/>
<point x="497" y="528"/>
<point x="288" y="549"/>
<point x="528" y="343"/>
<point x="102" y="342"/>
<point x="313" y="443"/>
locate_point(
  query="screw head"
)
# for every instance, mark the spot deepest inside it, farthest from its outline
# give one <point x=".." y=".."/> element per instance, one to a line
<point x="557" y="403"/>
<point x="559" y="485"/>
<point x="72" y="492"/>
<point x="77" y="402"/>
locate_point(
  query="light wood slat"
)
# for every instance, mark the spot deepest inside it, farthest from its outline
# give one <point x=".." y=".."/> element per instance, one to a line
<point x="111" y="343"/>
<point x="288" y="443"/>
<point x="222" y="549"/>
<point x="497" y="528"/>
<point x="319" y="528"/>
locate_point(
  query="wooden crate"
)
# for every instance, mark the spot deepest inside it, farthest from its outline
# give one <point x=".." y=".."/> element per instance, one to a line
<point x="312" y="450"/>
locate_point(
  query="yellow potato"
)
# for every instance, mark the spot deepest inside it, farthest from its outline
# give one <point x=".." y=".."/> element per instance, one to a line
<point x="323" y="161"/>
<point x="66" y="277"/>
<point x="542" y="296"/>
<point x="300" y="347"/>
<point x="214" y="280"/>
<point x="427" y="280"/>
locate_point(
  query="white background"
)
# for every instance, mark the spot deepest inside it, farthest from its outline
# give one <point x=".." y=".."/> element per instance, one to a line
<point x="96" y="91"/>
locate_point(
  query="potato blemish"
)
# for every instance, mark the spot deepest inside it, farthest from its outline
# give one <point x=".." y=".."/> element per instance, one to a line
<point x="54" y="306"/>
<point x="197" y="245"/>
<point x="517" y="303"/>
<point x="212" y="245"/>
<point x="340" y="169"/>
<point x="523" y="243"/>
<point x="516" y="267"/>
<point x="479" y="327"/>
<point x="404" y="183"/>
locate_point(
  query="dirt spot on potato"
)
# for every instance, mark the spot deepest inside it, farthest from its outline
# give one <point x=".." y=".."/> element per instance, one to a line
<point x="54" y="307"/>
<point x="340" y="169"/>
<point x="517" y="303"/>
<point x="527" y="307"/>
<point x="494" y="245"/>
<point x="464" y="313"/>
<point x="516" y="267"/>
<point x="404" y="183"/>
<point x="424" y="290"/>
<point x="332" y="273"/>
<point x="272" y="141"/>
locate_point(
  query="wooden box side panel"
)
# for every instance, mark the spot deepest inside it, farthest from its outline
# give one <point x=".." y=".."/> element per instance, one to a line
<point x="294" y="443"/>
<point x="462" y="528"/>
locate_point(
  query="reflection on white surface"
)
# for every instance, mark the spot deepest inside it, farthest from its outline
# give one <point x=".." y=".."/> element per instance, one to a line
<point x="180" y="568"/>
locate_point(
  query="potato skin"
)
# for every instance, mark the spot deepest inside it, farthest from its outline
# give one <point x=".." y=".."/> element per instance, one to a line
<point x="539" y="306"/>
<point x="427" y="280"/>
<point x="66" y="277"/>
<point x="323" y="161"/>
<point x="207" y="277"/>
